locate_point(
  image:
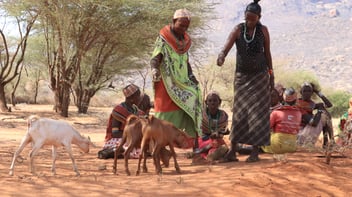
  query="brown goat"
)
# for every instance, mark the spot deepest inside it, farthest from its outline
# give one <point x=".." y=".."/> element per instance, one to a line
<point x="161" y="133"/>
<point x="133" y="135"/>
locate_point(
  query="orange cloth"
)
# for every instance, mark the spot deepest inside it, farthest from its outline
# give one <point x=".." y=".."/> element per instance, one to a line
<point x="179" y="46"/>
<point x="162" y="100"/>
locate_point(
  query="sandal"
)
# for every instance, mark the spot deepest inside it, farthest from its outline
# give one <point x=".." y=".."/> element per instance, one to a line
<point x="252" y="159"/>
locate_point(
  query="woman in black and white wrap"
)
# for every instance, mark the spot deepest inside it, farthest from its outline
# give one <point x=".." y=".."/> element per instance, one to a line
<point x="253" y="79"/>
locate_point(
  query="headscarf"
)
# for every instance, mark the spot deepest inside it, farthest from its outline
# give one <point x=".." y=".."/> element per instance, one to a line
<point x="306" y="84"/>
<point x="211" y="93"/>
<point x="290" y="95"/>
<point x="129" y="90"/>
<point x="182" y="13"/>
<point x="254" y="7"/>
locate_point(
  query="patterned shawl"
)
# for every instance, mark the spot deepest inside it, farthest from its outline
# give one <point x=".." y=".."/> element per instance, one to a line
<point x="178" y="46"/>
<point x="210" y="125"/>
<point x="120" y="113"/>
<point x="174" y="71"/>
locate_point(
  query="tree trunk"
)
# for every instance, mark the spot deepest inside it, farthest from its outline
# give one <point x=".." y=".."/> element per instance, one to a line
<point x="83" y="99"/>
<point x="62" y="99"/>
<point x="65" y="101"/>
<point x="3" y="104"/>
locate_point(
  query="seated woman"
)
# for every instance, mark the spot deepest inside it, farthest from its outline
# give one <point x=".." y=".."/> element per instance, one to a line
<point x="285" y="124"/>
<point x="117" y="121"/>
<point x="313" y="123"/>
<point x="214" y="126"/>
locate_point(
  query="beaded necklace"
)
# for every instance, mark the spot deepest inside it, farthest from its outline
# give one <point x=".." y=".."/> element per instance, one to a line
<point x="130" y="109"/>
<point x="245" y="32"/>
<point x="180" y="46"/>
<point x="215" y="121"/>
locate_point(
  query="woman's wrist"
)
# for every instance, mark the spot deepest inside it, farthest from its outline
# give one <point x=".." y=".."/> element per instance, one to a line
<point x="222" y="54"/>
<point x="270" y="71"/>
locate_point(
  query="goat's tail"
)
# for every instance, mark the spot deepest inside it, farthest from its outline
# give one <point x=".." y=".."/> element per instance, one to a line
<point x="32" y="119"/>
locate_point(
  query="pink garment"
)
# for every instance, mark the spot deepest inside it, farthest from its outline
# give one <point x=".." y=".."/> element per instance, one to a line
<point x="286" y="119"/>
<point x="215" y="143"/>
<point x="114" y="142"/>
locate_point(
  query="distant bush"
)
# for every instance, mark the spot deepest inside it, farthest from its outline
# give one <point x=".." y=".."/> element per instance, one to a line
<point x="340" y="101"/>
<point x="295" y="79"/>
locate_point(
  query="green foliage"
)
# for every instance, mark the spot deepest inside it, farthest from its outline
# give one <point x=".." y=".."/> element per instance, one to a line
<point x="340" y="101"/>
<point x="295" y="78"/>
<point x="220" y="79"/>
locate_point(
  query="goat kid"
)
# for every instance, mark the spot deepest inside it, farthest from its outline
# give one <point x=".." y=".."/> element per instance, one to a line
<point x="132" y="135"/>
<point x="45" y="131"/>
<point x="161" y="133"/>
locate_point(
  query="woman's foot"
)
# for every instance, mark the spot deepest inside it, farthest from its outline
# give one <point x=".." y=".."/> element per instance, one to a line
<point x="229" y="157"/>
<point x="252" y="159"/>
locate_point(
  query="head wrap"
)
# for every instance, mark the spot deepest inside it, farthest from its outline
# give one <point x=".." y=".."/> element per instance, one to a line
<point x="290" y="95"/>
<point x="211" y="93"/>
<point x="129" y="90"/>
<point x="182" y="13"/>
<point x="307" y="84"/>
<point x="254" y="7"/>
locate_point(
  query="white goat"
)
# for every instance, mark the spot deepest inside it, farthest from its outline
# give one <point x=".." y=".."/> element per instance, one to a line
<point x="45" y="131"/>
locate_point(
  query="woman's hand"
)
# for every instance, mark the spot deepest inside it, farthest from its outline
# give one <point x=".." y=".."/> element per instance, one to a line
<point x="193" y="79"/>
<point x="221" y="59"/>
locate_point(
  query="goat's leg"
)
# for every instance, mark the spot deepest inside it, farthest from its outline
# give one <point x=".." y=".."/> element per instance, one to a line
<point x="116" y="152"/>
<point x="35" y="149"/>
<point x="145" y="169"/>
<point x="114" y="167"/>
<point x="127" y="156"/>
<point x="156" y="157"/>
<point x="69" y="150"/>
<point x="25" y="140"/>
<point x="143" y="154"/>
<point x="173" y="153"/>
<point x="54" y="156"/>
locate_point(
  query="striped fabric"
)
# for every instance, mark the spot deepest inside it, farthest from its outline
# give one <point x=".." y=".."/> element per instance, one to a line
<point x="120" y="113"/>
<point x="251" y="119"/>
<point x="219" y="124"/>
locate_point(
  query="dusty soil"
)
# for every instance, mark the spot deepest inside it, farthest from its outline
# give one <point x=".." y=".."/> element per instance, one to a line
<point x="306" y="172"/>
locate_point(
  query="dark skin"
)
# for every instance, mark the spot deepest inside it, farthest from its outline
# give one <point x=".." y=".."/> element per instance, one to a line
<point x="275" y="97"/>
<point x="307" y="93"/>
<point x="178" y="27"/>
<point x="213" y="102"/>
<point x="251" y="21"/>
<point x="129" y="101"/>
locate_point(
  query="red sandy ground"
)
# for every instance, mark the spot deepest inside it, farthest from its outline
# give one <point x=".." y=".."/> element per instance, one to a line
<point x="305" y="174"/>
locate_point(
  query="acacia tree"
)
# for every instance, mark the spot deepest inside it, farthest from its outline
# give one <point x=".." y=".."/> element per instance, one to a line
<point x="89" y="42"/>
<point x="124" y="42"/>
<point x="12" y="55"/>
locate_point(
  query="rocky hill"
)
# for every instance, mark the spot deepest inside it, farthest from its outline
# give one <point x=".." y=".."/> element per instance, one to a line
<point x="314" y="35"/>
